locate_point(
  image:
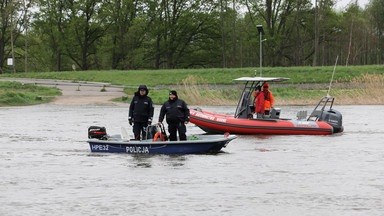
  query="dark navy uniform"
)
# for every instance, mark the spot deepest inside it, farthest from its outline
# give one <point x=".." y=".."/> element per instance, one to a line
<point x="140" y="112"/>
<point x="177" y="113"/>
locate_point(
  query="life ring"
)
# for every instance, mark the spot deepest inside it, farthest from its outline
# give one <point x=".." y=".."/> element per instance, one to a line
<point x="226" y="134"/>
<point x="157" y="136"/>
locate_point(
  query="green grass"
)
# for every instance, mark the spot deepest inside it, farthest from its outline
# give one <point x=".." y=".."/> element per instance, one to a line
<point x="213" y="76"/>
<point x="193" y="94"/>
<point x="298" y="93"/>
<point x="157" y="96"/>
<point x="16" y="94"/>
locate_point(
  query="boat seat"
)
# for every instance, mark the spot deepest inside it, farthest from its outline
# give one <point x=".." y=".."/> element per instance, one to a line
<point x="301" y="115"/>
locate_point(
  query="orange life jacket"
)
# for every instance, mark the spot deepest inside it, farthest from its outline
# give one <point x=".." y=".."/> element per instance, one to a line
<point x="268" y="97"/>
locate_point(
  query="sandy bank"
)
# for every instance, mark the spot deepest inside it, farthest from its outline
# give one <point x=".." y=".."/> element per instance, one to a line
<point x="81" y="93"/>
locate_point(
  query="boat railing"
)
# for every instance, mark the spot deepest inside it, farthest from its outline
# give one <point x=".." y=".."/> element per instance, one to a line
<point x="320" y="107"/>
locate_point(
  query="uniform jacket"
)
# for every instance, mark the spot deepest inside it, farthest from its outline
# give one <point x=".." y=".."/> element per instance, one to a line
<point x="141" y="108"/>
<point x="176" y="110"/>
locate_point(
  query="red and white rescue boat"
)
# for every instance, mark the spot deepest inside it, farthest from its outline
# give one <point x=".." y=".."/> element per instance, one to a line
<point x="323" y="119"/>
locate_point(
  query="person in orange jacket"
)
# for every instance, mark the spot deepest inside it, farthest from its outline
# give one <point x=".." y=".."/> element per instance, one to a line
<point x="259" y="102"/>
<point x="268" y="99"/>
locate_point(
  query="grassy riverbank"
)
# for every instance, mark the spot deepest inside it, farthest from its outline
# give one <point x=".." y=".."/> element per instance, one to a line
<point x="217" y="76"/>
<point x="365" y="89"/>
<point x="16" y="94"/>
<point x="361" y="84"/>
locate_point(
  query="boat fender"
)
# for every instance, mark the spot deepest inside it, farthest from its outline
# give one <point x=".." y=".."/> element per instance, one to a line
<point x="226" y="134"/>
<point x="157" y="136"/>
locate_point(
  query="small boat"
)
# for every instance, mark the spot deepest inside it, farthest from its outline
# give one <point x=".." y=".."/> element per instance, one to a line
<point x="323" y="119"/>
<point x="99" y="141"/>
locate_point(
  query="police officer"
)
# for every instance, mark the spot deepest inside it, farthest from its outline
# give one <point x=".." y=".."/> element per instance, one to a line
<point x="177" y="113"/>
<point x="140" y="112"/>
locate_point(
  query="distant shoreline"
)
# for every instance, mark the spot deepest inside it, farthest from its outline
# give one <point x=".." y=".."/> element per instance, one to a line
<point x="83" y="93"/>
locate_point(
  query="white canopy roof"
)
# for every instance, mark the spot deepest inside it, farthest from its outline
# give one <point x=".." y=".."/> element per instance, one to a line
<point x="261" y="79"/>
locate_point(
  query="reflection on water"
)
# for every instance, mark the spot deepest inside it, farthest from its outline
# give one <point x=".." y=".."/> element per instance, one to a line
<point x="47" y="168"/>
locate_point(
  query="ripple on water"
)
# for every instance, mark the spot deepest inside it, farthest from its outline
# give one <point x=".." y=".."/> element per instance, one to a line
<point x="47" y="169"/>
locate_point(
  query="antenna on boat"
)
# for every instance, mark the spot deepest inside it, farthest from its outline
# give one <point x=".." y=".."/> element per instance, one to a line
<point x="334" y="68"/>
<point x="261" y="33"/>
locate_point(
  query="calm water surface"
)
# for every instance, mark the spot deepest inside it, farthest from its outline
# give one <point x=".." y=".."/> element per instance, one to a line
<point x="46" y="168"/>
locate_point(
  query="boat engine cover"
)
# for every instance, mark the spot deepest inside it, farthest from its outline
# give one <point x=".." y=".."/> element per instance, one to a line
<point x="334" y="118"/>
<point x="96" y="132"/>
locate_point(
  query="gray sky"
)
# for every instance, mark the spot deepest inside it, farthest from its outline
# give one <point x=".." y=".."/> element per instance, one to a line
<point x="341" y="4"/>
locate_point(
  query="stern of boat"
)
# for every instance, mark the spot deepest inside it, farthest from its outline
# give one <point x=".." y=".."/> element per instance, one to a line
<point x="330" y="116"/>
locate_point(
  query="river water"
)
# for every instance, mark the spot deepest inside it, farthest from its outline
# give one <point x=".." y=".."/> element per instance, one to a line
<point x="46" y="168"/>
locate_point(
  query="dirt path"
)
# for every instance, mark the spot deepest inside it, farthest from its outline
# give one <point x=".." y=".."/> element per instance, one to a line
<point x="81" y="93"/>
<point x="73" y="95"/>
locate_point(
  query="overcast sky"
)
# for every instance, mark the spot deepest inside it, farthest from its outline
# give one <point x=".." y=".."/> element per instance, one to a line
<point x="341" y="4"/>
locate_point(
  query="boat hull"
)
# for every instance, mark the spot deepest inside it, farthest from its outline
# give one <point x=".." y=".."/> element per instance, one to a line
<point x="204" y="144"/>
<point x="218" y="123"/>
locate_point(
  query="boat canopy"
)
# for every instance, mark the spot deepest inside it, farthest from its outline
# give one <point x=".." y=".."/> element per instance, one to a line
<point x="261" y="79"/>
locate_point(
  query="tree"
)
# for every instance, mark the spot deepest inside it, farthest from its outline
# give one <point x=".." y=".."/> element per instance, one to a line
<point x="129" y="25"/>
<point x="51" y="23"/>
<point x="183" y="23"/>
<point x="279" y="19"/>
<point x="10" y="29"/>
<point x="376" y="11"/>
<point x="86" y="26"/>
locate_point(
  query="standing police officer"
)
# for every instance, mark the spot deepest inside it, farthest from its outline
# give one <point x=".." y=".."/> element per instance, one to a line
<point x="177" y="116"/>
<point x="140" y="112"/>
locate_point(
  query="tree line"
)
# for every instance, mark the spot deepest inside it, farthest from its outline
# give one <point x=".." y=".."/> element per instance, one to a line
<point x="62" y="35"/>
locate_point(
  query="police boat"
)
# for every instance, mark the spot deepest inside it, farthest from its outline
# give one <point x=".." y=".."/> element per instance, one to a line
<point x="155" y="142"/>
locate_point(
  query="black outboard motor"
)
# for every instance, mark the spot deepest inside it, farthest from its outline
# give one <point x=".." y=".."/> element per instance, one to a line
<point x="96" y="132"/>
<point x="334" y="118"/>
<point x="331" y="116"/>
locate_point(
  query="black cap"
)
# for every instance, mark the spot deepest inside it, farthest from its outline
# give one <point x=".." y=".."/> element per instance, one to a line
<point x="258" y="88"/>
<point x="173" y="92"/>
<point x="144" y="87"/>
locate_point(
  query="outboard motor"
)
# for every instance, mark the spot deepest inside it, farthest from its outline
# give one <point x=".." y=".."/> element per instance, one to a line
<point x="331" y="116"/>
<point x="96" y="132"/>
<point x="334" y="118"/>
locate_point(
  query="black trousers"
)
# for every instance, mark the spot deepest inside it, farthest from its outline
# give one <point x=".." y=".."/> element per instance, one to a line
<point x="174" y="127"/>
<point x="139" y="129"/>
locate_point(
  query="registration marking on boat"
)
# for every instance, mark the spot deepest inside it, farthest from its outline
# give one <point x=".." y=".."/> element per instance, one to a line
<point x="305" y="124"/>
<point x="221" y="120"/>
<point x="137" y="149"/>
<point x="100" y="147"/>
